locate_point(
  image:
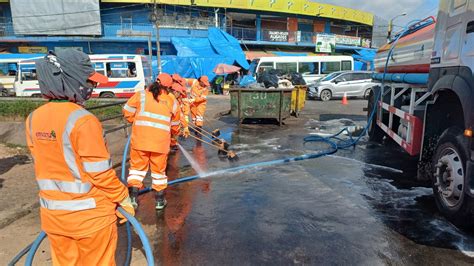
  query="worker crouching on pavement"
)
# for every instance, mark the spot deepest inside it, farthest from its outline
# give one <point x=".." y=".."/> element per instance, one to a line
<point x="179" y="91"/>
<point x="155" y="117"/>
<point x="78" y="189"/>
<point x="198" y="100"/>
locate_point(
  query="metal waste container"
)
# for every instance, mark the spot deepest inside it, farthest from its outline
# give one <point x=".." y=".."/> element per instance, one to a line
<point x="298" y="99"/>
<point x="260" y="103"/>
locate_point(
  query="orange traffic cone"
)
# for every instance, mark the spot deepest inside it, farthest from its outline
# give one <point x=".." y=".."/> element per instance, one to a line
<point x="344" y="99"/>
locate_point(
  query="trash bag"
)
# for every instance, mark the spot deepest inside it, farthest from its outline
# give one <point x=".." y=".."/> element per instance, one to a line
<point x="247" y="81"/>
<point x="297" y="79"/>
<point x="277" y="72"/>
<point x="270" y="80"/>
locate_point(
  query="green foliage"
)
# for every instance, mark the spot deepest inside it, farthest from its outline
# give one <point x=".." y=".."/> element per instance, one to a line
<point x="20" y="109"/>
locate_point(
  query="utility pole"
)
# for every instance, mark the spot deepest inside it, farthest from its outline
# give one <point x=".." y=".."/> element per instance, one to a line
<point x="390" y="26"/>
<point x="154" y="19"/>
<point x="216" y="17"/>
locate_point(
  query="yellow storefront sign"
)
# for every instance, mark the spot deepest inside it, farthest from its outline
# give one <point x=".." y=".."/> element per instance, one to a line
<point x="32" y="49"/>
<point x="300" y="7"/>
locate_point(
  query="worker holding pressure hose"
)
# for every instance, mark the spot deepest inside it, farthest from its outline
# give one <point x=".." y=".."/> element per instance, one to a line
<point x="78" y="189"/>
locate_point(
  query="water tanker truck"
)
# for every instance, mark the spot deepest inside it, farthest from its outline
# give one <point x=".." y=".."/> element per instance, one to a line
<point x="426" y="104"/>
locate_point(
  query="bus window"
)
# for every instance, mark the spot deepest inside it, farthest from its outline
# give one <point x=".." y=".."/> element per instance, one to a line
<point x="309" y="68"/>
<point x="7" y="69"/>
<point x="346" y="65"/>
<point x="287" y="67"/>
<point x="265" y="66"/>
<point x="121" y="70"/>
<point x="28" y="72"/>
<point x="329" y="67"/>
<point x="99" y="67"/>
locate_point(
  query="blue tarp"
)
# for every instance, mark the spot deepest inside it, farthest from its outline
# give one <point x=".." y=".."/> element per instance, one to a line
<point x="195" y="47"/>
<point x="226" y="45"/>
<point x="192" y="67"/>
<point x="199" y="56"/>
<point x="365" y="56"/>
<point x="247" y="80"/>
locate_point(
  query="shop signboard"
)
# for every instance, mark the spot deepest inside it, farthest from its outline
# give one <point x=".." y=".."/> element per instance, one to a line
<point x="325" y="43"/>
<point x="275" y="36"/>
<point x="32" y="49"/>
<point x="348" y="40"/>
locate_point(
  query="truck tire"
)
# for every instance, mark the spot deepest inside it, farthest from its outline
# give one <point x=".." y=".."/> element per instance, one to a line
<point x="450" y="183"/>
<point x="375" y="133"/>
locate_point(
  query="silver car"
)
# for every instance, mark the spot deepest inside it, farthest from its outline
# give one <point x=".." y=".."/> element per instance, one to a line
<point x="334" y="85"/>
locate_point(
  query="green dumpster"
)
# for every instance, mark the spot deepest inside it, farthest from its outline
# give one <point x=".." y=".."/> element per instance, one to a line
<point x="260" y="103"/>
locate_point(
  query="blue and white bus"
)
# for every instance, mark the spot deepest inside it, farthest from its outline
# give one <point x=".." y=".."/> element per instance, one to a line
<point x="127" y="74"/>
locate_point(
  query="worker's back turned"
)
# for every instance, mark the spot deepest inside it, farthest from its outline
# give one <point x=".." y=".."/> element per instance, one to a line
<point x="67" y="175"/>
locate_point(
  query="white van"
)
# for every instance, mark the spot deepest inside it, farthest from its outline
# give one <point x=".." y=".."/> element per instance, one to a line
<point x="311" y="67"/>
<point x="127" y="74"/>
<point x="8" y="71"/>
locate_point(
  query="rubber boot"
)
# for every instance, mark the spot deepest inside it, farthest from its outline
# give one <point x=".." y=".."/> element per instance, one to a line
<point x="133" y="192"/>
<point x="160" y="200"/>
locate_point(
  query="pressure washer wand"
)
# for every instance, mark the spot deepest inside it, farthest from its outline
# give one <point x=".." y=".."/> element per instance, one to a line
<point x="210" y="135"/>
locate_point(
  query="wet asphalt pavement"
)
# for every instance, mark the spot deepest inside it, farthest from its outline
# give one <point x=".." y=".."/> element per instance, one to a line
<point x="360" y="206"/>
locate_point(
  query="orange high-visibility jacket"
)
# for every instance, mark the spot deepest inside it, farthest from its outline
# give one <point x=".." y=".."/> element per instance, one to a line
<point x="153" y="121"/>
<point x="78" y="188"/>
<point x="198" y="93"/>
<point x="185" y="110"/>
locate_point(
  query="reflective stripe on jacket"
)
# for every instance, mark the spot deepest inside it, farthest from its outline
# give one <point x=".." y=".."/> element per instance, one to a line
<point x="152" y="120"/>
<point x="78" y="187"/>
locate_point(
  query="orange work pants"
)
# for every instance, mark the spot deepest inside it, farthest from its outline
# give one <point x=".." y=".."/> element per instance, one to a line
<point x="95" y="249"/>
<point x="197" y="114"/>
<point x="140" y="162"/>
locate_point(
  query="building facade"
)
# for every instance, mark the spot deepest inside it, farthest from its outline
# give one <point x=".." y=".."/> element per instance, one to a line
<point x="130" y="26"/>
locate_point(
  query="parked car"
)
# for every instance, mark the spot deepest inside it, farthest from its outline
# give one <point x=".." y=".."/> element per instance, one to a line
<point x="353" y="83"/>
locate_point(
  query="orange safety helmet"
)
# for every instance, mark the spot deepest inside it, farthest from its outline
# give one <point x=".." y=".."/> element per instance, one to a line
<point x="204" y="80"/>
<point x="165" y="80"/>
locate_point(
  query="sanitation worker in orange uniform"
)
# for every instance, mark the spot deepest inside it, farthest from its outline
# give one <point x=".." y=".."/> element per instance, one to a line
<point x="179" y="91"/>
<point x="198" y="100"/>
<point x="155" y="117"/>
<point x="78" y="189"/>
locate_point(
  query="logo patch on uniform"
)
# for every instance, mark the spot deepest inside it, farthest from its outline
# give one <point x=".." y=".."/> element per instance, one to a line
<point x="49" y="136"/>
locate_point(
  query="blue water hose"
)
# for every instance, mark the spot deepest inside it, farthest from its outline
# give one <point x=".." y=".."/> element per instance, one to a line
<point x="33" y="247"/>
<point x="141" y="233"/>
<point x="128" y="258"/>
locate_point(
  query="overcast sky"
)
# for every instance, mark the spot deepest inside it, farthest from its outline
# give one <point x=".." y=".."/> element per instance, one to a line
<point x="387" y="9"/>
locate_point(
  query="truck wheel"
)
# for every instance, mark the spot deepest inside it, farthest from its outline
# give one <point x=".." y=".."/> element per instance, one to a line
<point x="107" y="95"/>
<point x="375" y="133"/>
<point x="325" y="95"/>
<point x="449" y="178"/>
